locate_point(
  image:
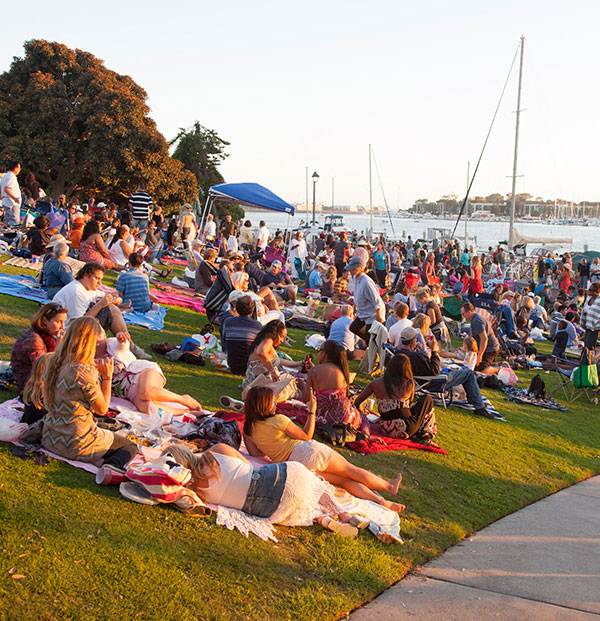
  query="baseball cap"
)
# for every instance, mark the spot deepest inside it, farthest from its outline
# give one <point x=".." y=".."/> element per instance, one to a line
<point x="408" y="334"/>
<point x="354" y="263"/>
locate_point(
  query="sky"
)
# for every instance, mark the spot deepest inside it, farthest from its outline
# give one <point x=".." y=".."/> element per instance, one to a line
<point x="312" y="84"/>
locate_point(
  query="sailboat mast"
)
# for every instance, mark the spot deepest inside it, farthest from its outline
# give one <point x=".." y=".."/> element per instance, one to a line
<point x="370" y="197"/>
<point x="513" y="197"/>
<point x="467" y="203"/>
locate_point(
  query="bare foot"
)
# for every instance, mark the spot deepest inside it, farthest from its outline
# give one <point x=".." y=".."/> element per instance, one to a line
<point x="191" y="403"/>
<point x="394" y="484"/>
<point x="393" y="506"/>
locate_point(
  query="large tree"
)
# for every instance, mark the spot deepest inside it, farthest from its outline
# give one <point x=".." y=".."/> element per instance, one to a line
<point x="201" y="150"/>
<point x="84" y="129"/>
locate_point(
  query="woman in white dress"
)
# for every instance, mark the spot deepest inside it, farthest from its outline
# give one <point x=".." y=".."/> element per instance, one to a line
<point x="118" y="247"/>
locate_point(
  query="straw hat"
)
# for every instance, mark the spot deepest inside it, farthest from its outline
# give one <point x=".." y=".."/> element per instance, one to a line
<point x="56" y="239"/>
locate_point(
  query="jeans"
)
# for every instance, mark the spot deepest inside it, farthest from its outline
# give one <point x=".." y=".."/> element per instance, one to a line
<point x="12" y="216"/>
<point x="265" y="491"/>
<point x="157" y="251"/>
<point x="467" y="378"/>
<point x="140" y="223"/>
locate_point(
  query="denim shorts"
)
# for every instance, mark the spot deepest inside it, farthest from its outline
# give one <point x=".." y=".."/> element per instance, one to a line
<point x="265" y="491"/>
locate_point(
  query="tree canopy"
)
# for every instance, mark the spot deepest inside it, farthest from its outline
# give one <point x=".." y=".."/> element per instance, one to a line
<point x="201" y="150"/>
<point x="83" y="129"/>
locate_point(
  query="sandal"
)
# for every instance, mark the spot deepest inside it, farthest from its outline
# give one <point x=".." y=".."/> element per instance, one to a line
<point x="341" y="528"/>
<point x="230" y="404"/>
<point x="359" y="521"/>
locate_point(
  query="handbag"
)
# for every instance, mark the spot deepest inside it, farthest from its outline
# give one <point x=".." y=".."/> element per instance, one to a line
<point x="279" y="387"/>
<point x="339" y="434"/>
<point x="586" y="375"/>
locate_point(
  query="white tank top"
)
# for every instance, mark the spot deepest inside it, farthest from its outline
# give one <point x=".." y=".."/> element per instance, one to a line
<point x="115" y="252"/>
<point x="231" y="489"/>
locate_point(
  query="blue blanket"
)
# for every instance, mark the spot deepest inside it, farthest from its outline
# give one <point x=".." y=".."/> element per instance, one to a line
<point x="28" y="288"/>
<point x="153" y="320"/>
<point x="22" y="287"/>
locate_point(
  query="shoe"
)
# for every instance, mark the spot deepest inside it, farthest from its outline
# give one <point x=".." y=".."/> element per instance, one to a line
<point x="341" y="528"/>
<point x="138" y="352"/>
<point x="359" y="521"/>
<point x="137" y="493"/>
<point x="231" y="404"/>
<point x="484" y="412"/>
<point x="109" y="475"/>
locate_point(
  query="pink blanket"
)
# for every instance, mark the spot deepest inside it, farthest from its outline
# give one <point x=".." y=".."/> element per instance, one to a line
<point x="175" y="299"/>
<point x="174" y="261"/>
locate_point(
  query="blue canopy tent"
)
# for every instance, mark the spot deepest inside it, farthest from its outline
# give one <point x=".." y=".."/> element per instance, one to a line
<point x="248" y="195"/>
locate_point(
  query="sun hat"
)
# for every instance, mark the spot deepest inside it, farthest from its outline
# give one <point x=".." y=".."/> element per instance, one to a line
<point x="57" y="239"/>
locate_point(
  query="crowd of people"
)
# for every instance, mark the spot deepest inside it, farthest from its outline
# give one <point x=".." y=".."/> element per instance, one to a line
<point x="385" y="302"/>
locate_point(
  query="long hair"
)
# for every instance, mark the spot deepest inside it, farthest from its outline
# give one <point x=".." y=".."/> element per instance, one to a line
<point x="119" y="235"/>
<point x="77" y="346"/>
<point x="47" y="312"/>
<point x="203" y="466"/>
<point x="422" y="322"/>
<point x="271" y="330"/>
<point x="259" y="405"/>
<point x="398" y="378"/>
<point x="336" y="354"/>
<point x="91" y="228"/>
<point x="33" y="393"/>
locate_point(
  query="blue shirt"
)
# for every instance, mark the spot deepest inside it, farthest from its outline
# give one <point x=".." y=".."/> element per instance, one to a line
<point x="133" y="286"/>
<point x="340" y="333"/>
<point x="55" y="275"/>
<point x="379" y="261"/>
<point x="314" y="280"/>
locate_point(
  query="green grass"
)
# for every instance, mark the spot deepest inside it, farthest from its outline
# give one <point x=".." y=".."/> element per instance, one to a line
<point x="88" y="554"/>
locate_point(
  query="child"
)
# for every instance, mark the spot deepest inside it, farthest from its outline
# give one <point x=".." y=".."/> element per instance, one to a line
<point x="470" y="350"/>
<point x="561" y="339"/>
<point x="33" y="393"/>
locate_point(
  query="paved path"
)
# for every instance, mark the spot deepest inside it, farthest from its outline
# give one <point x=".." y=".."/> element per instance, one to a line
<point x="542" y="562"/>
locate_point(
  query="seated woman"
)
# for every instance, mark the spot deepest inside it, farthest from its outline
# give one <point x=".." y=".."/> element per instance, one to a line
<point x="38" y="235"/>
<point x="330" y="381"/>
<point x="206" y="272"/>
<point x="424" y="337"/>
<point x="118" y="248"/>
<point x="395" y="392"/>
<point x="287" y="493"/>
<point x="47" y="326"/>
<point x="329" y="279"/>
<point x="33" y="393"/>
<point x="140" y="381"/>
<point x="75" y="390"/>
<point x="265" y="302"/>
<point x="278" y="438"/>
<point x="264" y="363"/>
<point x="92" y="248"/>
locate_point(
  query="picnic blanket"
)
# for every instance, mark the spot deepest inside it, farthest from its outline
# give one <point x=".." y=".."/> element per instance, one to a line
<point x="383" y="523"/>
<point x="38" y="263"/>
<point x="174" y="261"/>
<point x="464" y="405"/>
<point x="520" y="395"/>
<point x="153" y="319"/>
<point x="169" y="287"/>
<point x="20" y="286"/>
<point x="176" y="299"/>
<point x="376" y="443"/>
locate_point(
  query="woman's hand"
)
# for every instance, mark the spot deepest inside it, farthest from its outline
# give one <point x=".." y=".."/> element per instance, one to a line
<point x="312" y="402"/>
<point x="308" y="362"/>
<point x="274" y="375"/>
<point x="105" y="367"/>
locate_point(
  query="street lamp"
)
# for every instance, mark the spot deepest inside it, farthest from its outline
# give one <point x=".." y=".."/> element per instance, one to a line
<point x="315" y="178"/>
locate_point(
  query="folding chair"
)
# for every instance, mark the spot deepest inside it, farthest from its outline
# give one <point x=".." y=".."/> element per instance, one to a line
<point x="564" y="375"/>
<point x="434" y="385"/>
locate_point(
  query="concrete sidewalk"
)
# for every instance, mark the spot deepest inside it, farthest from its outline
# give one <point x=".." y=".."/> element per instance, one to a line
<point x="542" y="562"/>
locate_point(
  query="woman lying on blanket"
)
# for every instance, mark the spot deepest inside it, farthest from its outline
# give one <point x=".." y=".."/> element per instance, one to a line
<point x="330" y="381"/>
<point x="395" y="392"/>
<point x="140" y="381"/>
<point x="265" y="365"/>
<point x="275" y="436"/>
<point x="285" y="493"/>
<point x="75" y="389"/>
<point x="44" y="335"/>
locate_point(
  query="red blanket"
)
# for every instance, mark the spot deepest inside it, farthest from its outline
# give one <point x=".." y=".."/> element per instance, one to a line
<point x="375" y="444"/>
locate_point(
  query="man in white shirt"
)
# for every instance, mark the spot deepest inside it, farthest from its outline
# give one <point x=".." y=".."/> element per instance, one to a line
<point x="297" y="250"/>
<point x="395" y="332"/>
<point x="82" y="298"/>
<point x="210" y="228"/>
<point x="11" y="194"/>
<point x="262" y="238"/>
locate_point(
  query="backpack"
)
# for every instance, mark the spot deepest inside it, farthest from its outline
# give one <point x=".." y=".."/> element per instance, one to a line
<point x="537" y="387"/>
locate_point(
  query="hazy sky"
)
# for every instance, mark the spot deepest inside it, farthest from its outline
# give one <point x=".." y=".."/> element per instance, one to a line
<point x="313" y="83"/>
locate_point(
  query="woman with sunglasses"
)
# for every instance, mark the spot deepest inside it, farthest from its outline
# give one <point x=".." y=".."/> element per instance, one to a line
<point x="47" y="327"/>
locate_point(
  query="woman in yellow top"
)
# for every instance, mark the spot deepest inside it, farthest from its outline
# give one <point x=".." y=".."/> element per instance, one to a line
<point x="278" y="438"/>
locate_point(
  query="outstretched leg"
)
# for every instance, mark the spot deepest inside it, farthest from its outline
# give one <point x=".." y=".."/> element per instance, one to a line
<point x="340" y="466"/>
<point x="150" y="388"/>
<point x="361" y="491"/>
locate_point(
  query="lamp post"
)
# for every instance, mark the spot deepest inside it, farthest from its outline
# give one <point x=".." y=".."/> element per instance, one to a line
<point x="313" y="227"/>
<point x="315" y="178"/>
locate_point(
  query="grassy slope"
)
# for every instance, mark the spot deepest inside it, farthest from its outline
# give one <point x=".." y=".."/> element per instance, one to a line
<point x="86" y="553"/>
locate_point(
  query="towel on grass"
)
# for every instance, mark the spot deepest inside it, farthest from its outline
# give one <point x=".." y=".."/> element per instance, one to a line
<point x="384" y="524"/>
<point x="20" y="286"/>
<point x="520" y="395"/>
<point x="153" y="319"/>
<point x="176" y="299"/>
<point x="464" y="405"/>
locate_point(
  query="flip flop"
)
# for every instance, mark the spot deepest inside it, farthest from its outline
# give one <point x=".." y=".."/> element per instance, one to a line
<point x="341" y="528"/>
<point x="231" y="404"/>
<point x="359" y="521"/>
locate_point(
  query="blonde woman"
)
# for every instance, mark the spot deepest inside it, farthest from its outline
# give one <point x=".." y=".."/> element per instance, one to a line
<point x="75" y="390"/>
<point x="475" y="282"/>
<point x="422" y="323"/>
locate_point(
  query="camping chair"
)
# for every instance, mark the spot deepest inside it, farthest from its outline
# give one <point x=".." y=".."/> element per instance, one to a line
<point x="451" y="306"/>
<point x="434" y="385"/>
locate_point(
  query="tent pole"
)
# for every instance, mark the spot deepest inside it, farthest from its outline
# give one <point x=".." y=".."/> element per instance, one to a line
<point x="286" y="244"/>
<point x="204" y="214"/>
